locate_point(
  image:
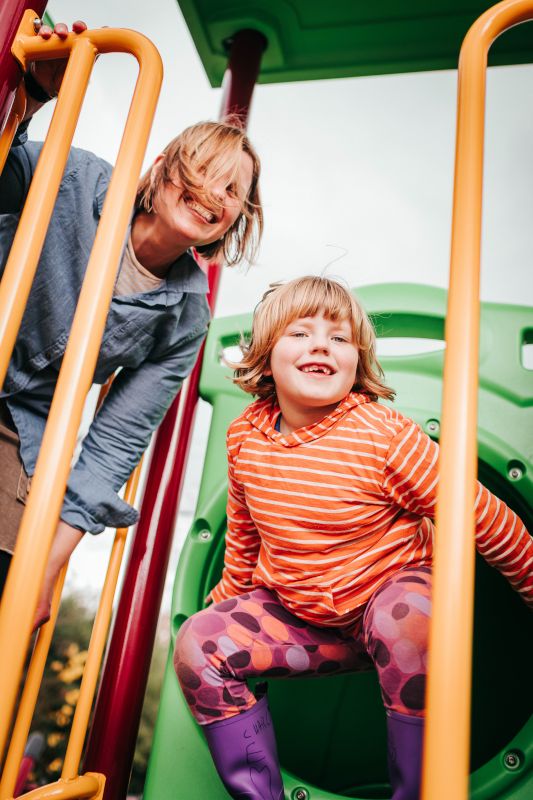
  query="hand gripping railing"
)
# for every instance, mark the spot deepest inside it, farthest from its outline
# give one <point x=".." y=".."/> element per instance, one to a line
<point x="447" y="740"/>
<point x="48" y="485"/>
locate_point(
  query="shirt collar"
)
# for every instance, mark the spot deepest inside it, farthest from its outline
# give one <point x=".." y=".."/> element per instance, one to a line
<point x="263" y="415"/>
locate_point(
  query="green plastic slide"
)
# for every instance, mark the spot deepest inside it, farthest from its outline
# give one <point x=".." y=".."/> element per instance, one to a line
<point x="331" y="732"/>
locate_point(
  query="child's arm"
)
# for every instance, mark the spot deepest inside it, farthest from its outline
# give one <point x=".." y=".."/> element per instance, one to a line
<point x="411" y="481"/>
<point x="242" y="543"/>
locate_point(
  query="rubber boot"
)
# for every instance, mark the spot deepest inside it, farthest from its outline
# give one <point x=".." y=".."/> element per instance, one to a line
<point x="405" y="735"/>
<point x="244" y="751"/>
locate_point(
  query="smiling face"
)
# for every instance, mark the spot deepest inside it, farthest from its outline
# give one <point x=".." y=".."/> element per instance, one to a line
<point x="191" y="221"/>
<point x="314" y="366"/>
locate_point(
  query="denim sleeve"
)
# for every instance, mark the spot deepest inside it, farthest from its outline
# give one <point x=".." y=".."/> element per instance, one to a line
<point x="120" y="433"/>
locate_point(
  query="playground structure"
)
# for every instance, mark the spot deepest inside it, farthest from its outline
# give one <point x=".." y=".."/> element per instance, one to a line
<point x="446" y="770"/>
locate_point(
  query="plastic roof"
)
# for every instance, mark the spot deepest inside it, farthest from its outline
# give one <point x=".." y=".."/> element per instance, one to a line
<point x="312" y="39"/>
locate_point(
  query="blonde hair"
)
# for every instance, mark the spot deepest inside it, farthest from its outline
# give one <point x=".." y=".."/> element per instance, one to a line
<point x="198" y="157"/>
<point x="306" y="297"/>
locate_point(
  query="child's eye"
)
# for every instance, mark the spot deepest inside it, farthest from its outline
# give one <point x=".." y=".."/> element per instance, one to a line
<point x="231" y="189"/>
<point x="297" y="334"/>
<point x="339" y="338"/>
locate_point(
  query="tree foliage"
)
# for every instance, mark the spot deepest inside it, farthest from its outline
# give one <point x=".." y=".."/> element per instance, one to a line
<point x="60" y="690"/>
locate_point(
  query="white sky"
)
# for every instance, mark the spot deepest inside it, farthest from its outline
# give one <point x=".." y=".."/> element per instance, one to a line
<point x="358" y="165"/>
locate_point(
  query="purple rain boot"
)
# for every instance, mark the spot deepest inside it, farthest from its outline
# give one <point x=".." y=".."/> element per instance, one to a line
<point x="405" y="735"/>
<point x="244" y="751"/>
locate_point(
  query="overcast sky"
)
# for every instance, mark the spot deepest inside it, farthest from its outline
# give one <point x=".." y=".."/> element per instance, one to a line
<point x="361" y="167"/>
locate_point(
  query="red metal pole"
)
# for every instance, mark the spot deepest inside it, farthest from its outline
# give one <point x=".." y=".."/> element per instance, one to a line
<point x="113" y="732"/>
<point x="11" y="12"/>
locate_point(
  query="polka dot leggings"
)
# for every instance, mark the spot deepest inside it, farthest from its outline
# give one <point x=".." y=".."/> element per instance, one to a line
<point x="253" y="635"/>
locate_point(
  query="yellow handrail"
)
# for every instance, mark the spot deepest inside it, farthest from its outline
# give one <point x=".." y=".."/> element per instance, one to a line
<point x="90" y="674"/>
<point x="48" y="485"/>
<point x="96" y="646"/>
<point x="447" y="735"/>
<point x="86" y="787"/>
<point x="30" y="693"/>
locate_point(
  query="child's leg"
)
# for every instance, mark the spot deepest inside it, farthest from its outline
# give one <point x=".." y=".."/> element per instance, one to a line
<point x="395" y="630"/>
<point x="251" y="636"/>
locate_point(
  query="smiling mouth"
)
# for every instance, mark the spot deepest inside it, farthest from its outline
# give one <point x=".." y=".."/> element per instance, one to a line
<point x="203" y="212"/>
<point x="317" y="369"/>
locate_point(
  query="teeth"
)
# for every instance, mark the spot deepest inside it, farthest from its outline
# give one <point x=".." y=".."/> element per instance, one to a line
<point x="321" y="368"/>
<point x="207" y="215"/>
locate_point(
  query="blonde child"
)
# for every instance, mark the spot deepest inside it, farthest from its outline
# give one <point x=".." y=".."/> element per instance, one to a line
<point x="329" y="541"/>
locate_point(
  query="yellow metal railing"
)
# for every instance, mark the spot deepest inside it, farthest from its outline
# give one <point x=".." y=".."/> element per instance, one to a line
<point x="48" y="485"/>
<point x="447" y="738"/>
<point x="34" y="676"/>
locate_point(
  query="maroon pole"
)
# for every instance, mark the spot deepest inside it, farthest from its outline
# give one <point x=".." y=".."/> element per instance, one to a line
<point x="113" y="732"/>
<point x="11" y="13"/>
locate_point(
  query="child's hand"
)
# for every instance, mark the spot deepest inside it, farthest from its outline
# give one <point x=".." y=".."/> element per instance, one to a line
<point x="49" y="74"/>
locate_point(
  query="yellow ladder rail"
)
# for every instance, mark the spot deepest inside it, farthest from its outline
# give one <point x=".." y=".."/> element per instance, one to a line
<point x="44" y="503"/>
<point x="90" y="674"/>
<point x="86" y="787"/>
<point x="29" y="696"/>
<point x="447" y="735"/>
<point x="97" y="644"/>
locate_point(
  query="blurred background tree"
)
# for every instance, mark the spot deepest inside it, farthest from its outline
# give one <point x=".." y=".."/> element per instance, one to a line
<point x="61" y="684"/>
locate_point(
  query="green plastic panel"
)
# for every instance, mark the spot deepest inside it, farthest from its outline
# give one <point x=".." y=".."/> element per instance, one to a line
<point x="310" y="39"/>
<point x="331" y="732"/>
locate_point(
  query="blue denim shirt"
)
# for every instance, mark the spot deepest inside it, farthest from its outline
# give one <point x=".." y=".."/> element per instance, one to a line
<point x="152" y="337"/>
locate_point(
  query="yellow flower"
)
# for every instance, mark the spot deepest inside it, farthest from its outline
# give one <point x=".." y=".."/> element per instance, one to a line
<point x="61" y="719"/>
<point x="53" y="739"/>
<point x="56" y="666"/>
<point x="72" y="696"/>
<point x="71" y="674"/>
<point x="71" y="650"/>
<point x="67" y="710"/>
<point x="55" y="765"/>
<point x="79" y="658"/>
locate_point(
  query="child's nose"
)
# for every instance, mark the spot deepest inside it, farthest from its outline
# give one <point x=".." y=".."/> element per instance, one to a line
<point x="320" y="343"/>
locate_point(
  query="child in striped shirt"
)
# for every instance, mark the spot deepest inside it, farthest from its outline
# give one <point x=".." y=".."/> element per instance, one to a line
<point x="329" y="541"/>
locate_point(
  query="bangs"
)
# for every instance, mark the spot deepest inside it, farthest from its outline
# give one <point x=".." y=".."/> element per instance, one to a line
<point x="300" y="298"/>
<point x="307" y="297"/>
<point x="214" y="157"/>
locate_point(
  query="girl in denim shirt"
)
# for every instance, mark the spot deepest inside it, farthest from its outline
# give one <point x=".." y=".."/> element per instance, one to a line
<point x="201" y="192"/>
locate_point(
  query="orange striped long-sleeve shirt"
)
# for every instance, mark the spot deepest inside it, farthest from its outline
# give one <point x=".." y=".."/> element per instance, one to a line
<point x="324" y="515"/>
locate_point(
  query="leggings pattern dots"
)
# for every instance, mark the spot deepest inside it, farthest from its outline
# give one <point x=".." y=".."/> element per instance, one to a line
<point x="253" y="635"/>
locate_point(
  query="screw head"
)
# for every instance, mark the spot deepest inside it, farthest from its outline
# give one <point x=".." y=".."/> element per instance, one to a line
<point x="433" y="426"/>
<point x="301" y="794"/>
<point x="512" y="760"/>
<point x="515" y="473"/>
<point x="37" y="22"/>
<point x="204" y="536"/>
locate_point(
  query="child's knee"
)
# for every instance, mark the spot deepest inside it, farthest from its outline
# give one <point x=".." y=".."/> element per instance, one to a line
<point x="396" y="629"/>
<point x="402" y="605"/>
<point x="187" y="656"/>
<point x="197" y="657"/>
